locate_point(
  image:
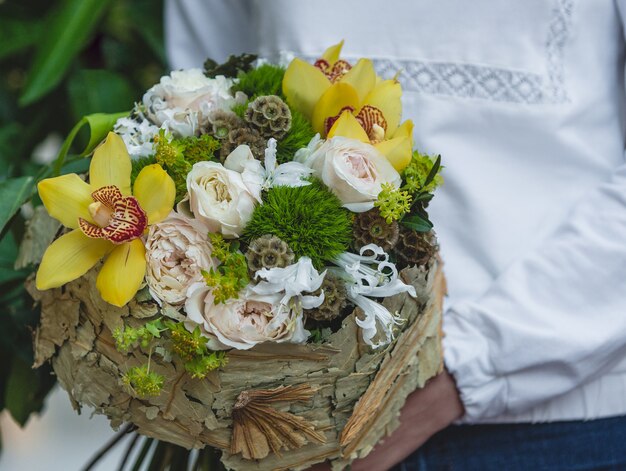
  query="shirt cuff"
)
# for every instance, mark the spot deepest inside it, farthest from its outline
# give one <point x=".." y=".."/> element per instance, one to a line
<point x="467" y="357"/>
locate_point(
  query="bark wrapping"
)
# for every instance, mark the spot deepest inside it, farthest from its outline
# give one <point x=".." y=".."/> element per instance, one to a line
<point x="358" y="392"/>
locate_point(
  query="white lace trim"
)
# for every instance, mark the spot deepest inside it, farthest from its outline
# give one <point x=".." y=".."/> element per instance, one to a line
<point x="484" y="82"/>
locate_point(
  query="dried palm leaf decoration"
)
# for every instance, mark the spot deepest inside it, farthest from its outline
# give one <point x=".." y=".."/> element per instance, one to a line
<point x="259" y="428"/>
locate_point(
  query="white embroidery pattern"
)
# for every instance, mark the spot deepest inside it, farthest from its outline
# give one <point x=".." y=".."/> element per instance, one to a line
<point x="489" y="83"/>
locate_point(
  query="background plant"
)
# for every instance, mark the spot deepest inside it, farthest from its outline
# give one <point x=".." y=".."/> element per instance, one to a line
<point x="59" y="61"/>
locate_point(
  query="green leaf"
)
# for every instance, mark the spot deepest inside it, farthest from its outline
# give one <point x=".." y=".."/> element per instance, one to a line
<point x="433" y="171"/>
<point x="17" y="35"/>
<point x="8" y="253"/>
<point x="66" y="31"/>
<point x="417" y="223"/>
<point x="99" y="125"/>
<point x="98" y="91"/>
<point x="14" y="192"/>
<point x="25" y="390"/>
<point x="153" y="329"/>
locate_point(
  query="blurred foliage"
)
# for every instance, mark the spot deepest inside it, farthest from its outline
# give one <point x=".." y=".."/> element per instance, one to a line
<point x="59" y="61"/>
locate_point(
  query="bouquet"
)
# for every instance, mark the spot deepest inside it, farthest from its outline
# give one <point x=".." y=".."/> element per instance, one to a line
<point x="248" y="264"/>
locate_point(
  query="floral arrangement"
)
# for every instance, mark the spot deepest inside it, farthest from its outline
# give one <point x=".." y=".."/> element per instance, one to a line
<point x="253" y="204"/>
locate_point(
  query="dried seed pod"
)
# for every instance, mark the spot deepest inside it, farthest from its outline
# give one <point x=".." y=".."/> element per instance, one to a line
<point x="415" y="248"/>
<point x="371" y="228"/>
<point x="335" y="299"/>
<point x="223" y="122"/>
<point x="268" y="251"/>
<point x="247" y="136"/>
<point x="270" y="115"/>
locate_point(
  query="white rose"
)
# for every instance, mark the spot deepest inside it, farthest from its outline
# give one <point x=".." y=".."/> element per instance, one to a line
<point x="177" y="250"/>
<point x="353" y="170"/>
<point x="219" y="198"/>
<point x="239" y="323"/>
<point x="181" y="102"/>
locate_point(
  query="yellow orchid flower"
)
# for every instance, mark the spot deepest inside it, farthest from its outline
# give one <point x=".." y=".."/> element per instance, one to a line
<point x="105" y="221"/>
<point x="325" y="91"/>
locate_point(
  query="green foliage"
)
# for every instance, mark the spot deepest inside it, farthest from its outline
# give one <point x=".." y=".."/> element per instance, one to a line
<point x="422" y="174"/>
<point x="240" y="109"/>
<point x="264" y="80"/>
<point x="393" y="203"/>
<point x="177" y="156"/>
<point x="233" y="66"/>
<point x="231" y="276"/>
<point x="299" y="136"/>
<point x="309" y="219"/>
<point x="99" y="91"/>
<point x="142" y="382"/>
<point x="65" y="33"/>
<point x="58" y="59"/>
<point x="13" y="193"/>
<point x="421" y="177"/>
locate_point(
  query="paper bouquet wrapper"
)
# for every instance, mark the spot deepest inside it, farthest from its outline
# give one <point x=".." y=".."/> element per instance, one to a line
<point x="274" y="407"/>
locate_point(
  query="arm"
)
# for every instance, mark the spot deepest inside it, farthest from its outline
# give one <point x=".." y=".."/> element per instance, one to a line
<point x="554" y="320"/>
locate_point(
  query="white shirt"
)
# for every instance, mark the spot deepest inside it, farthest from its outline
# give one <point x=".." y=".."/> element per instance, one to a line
<point x="525" y="101"/>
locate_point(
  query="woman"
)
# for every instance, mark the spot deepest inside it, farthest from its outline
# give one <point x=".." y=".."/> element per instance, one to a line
<point x="525" y="101"/>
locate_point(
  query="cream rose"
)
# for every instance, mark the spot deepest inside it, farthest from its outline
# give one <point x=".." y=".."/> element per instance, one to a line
<point x="177" y="250"/>
<point x="239" y="323"/>
<point x="219" y="198"/>
<point x="353" y="170"/>
<point x="182" y="101"/>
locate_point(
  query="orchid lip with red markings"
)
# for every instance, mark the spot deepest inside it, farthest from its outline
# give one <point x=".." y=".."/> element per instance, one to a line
<point x="117" y="218"/>
<point x="336" y="71"/>
<point x="369" y="117"/>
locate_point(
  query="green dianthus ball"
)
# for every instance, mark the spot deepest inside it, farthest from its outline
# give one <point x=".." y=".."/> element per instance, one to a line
<point x="309" y="219"/>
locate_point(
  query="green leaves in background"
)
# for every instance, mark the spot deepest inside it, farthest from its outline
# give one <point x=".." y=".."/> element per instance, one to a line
<point x="65" y="33"/>
<point x="14" y="192"/>
<point x="59" y="60"/>
<point x="98" y="91"/>
<point x="17" y="35"/>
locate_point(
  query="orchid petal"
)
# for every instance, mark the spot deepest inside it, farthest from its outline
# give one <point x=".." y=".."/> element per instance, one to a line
<point x="404" y="130"/>
<point x="386" y="96"/>
<point x="69" y="257"/>
<point x="337" y="97"/>
<point x="331" y="55"/>
<point x="123" y="272"/>
<point x="155" y="190"/>
<point x="110" y="165"/>
<point x="303" y="85"/>
<point x="397" y="150"/>
<point x="362" y="77"/>
<point x="67" y="198"/>
<point x="348" y="126"/>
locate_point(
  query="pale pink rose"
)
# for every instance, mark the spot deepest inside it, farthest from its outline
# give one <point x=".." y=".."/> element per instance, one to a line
<point x="239" y="323"/>
<point x="353" y="170"/>
<point x="177" y="250"/>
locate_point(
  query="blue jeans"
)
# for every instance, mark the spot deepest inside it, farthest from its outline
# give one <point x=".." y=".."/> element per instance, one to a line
<point x="558" y="446"/>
